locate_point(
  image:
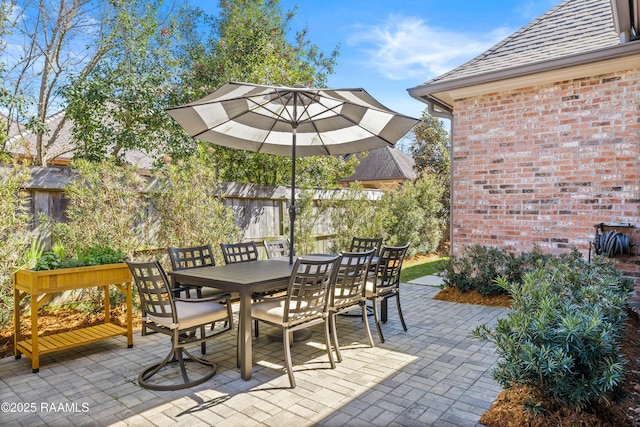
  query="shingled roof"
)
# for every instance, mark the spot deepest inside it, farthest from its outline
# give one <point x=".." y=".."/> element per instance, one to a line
<point x="22" y="143"/>
<point x="571" y="27"/>
<point x="381" y="166"/>
<point x="575" y="32"/>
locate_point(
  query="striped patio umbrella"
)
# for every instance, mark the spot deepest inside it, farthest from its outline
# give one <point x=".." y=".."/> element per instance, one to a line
<point x="292" y="121"/>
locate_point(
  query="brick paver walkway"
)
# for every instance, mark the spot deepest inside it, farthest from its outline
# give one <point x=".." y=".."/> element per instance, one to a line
<point x="433" y="375"/>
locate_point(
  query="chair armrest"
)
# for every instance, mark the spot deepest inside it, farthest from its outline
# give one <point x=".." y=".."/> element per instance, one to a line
<point x="178" y="289"/>
<point x="220" y="297"/>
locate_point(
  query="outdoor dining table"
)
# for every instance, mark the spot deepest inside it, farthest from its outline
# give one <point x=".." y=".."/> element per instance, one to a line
<point x="244" y="278"/>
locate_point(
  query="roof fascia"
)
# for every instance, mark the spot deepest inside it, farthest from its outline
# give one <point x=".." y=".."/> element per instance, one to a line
<point x="626" y="18"/>
<point x="444" y="93"/>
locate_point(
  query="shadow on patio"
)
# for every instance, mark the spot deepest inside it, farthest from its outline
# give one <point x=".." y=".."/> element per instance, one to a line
<point x="435" y="374"/>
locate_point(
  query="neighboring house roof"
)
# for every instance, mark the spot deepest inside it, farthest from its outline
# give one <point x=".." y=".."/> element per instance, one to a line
<point x="574" y="33"/>
<point x="383" y="165"/>
<point x="22" y="142"/>
<point x="13" y="127"/>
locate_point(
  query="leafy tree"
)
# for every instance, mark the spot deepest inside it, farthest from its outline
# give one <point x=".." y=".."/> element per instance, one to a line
<point x="119" y="105"/>
<point x="431" y="147"/>
<point x="249" y="41"/>
<point x="110" y="60"/>
<point x="51" y="52"/>
<point x="431" y="152"/>
<point x="11" y="103"/>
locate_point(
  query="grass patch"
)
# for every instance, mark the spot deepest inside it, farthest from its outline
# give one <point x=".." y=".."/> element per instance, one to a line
<point x="411" y="271"/>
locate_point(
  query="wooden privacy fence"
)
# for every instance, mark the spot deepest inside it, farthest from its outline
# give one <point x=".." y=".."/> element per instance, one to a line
<point x="261" y="212"/>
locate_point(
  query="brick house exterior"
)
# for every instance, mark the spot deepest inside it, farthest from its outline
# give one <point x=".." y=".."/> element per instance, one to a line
<point x="546" y="133"/>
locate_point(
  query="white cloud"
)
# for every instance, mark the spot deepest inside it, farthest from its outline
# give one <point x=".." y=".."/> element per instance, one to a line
<point x="406" y="48"/>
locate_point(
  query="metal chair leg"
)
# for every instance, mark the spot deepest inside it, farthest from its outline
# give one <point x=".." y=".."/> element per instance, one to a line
<point x="176" y="356"/>
<point x="335" y="336"/>
<point x="327" y="340"/>
<point x="287" y="356"/>
<point x="404" y="325"/>
<point x="365" y="320"/>
<point x="377" y="320"/>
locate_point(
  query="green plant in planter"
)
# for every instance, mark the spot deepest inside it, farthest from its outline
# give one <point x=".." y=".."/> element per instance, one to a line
<point x="100" y="255"/>
<point x="91" y="256"/>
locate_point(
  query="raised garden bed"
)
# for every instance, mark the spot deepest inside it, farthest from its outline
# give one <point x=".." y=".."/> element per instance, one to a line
<point x="40" y="286"/>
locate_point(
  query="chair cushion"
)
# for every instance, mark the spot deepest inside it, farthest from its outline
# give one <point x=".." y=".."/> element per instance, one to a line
<point x="192" y="314"/>
<point x="379" y="290"/>
<point x="272" y="310"/>
<point x="339" y="301"/>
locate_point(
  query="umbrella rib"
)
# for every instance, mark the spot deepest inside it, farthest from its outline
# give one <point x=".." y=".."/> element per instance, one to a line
<point x="275" y="113"/>
<point x="255" y="106"/>
<point x="343" y="102"/>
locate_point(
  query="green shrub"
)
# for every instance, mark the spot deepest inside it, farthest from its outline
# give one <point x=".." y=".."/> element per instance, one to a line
<point x="353" y="214"/>
<point x="308" y="214"/>
<point x="411" y="214"/>
<point x="15" y="233"/>
<point x="561" y="337"/>
<point x="407" y="214"/>
<point x="107" y="208"/>
<point x="187" y="210"/>
<point x="478" y="267"/>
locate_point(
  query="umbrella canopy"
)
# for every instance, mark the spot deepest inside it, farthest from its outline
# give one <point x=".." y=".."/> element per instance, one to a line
<point x="292" y="121"/>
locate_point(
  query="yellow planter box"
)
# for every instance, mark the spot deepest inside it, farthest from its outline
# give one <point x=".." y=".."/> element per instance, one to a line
<point x="41" y="285"/>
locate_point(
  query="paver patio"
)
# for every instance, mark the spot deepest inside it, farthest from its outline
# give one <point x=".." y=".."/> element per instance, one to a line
<point x="433" y="375"/>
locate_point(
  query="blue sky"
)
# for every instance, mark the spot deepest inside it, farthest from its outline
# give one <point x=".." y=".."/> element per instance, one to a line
<point x="388" y="46"/>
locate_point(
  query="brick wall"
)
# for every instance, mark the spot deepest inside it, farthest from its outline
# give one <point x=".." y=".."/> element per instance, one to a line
<point x="543" y="164"/>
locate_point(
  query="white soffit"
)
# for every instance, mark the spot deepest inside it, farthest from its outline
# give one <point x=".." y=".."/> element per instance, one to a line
<point x="569" y="73"/>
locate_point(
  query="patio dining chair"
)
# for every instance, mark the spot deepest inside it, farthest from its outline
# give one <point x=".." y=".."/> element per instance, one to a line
<point x="348" y="292"/>
<point x="239" y="252"/>
<point x="184" y="320"/>
<point x="385" y="283"/>
<point x="245" y="252"/>
<point x="305" y="304"/>
<point x="363" y="244"/>
<point x="276" y="248"/>
<point x="195" y="257"/>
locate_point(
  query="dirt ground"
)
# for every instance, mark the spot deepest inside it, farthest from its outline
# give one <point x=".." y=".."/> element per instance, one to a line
<point x="50" y="322"/>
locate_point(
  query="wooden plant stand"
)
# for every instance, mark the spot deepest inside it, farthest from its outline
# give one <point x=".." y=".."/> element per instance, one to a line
<point x="42" y="285"/>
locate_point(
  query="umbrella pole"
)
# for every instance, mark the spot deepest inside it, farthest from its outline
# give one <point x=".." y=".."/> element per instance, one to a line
<point x="292" y="206"/>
